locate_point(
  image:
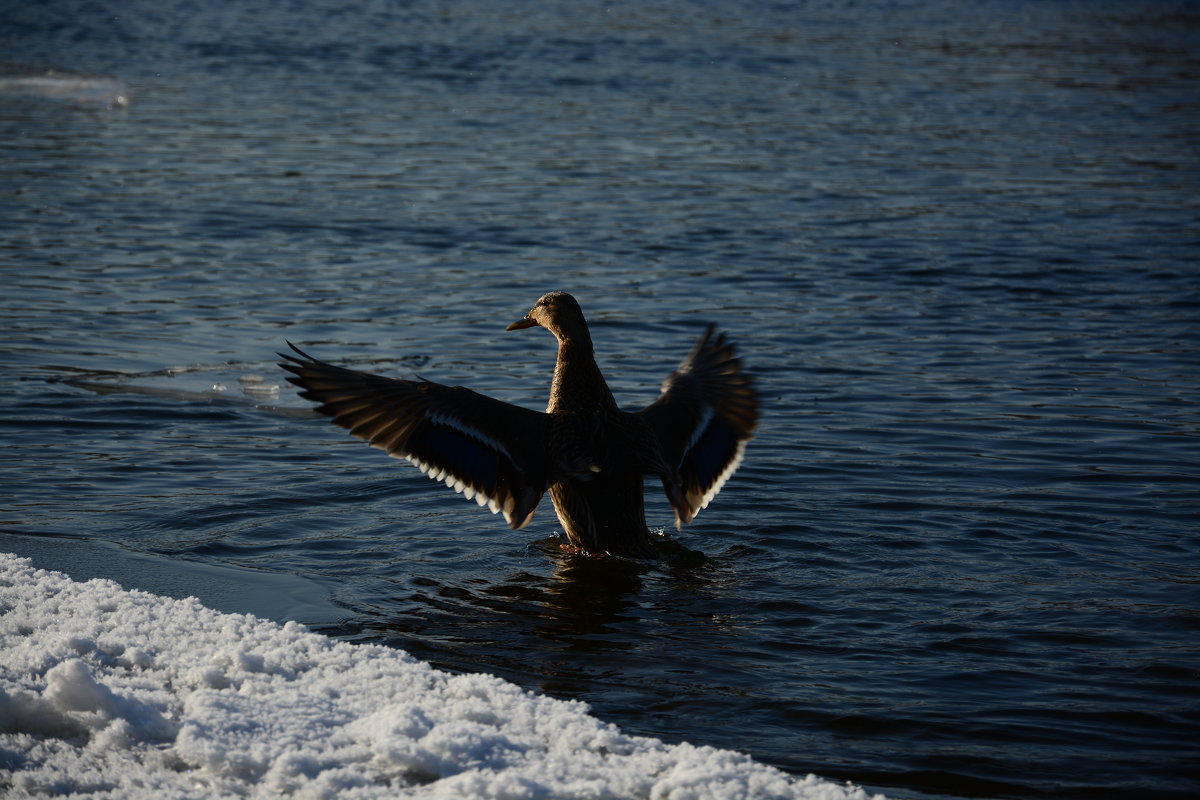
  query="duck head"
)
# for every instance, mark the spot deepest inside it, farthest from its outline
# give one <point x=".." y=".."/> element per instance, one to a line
<point x="559" y="313"/>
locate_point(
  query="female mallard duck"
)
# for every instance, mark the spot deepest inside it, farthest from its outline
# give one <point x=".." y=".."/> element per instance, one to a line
<point x="590" y="455"/>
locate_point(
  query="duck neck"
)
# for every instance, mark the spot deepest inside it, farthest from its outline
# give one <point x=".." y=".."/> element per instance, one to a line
<point x="578" y="384"/>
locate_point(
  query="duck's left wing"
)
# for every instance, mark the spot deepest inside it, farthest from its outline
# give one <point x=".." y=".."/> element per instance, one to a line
<point x="707" y="412"/>
<point x="484" y="448"/>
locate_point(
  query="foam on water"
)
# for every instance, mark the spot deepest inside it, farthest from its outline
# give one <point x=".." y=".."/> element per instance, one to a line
<point x="106" y="92"/>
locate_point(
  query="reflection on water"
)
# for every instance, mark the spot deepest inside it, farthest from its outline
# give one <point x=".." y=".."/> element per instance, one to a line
<point x="579" y="622"/>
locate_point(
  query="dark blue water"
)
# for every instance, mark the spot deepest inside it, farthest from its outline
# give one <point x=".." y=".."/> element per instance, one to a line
<point x="958" y="247"/>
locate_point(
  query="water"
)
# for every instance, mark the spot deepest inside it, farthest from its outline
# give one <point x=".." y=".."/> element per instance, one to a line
<point x="956" y="244"/>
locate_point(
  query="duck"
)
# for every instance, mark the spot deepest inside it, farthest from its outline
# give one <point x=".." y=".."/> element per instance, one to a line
<point x="589" y="454"/>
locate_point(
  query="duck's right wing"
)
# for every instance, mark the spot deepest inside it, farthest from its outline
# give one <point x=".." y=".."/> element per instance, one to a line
<point x="707" y="412"/>
<point x="484" y="448"/>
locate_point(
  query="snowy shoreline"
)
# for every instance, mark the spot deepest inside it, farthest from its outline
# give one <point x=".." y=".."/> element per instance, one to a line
<point x="124" y="694"/>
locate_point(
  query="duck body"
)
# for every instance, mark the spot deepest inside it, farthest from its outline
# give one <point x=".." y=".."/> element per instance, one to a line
<point x="597" y="488"/>
<point x="590" y="455"/>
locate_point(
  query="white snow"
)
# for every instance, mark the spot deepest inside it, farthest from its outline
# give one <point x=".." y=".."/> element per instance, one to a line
<point x="111" y="693"/>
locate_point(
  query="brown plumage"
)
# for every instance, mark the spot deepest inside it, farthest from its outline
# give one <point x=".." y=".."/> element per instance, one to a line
<point x="588" y="453"/>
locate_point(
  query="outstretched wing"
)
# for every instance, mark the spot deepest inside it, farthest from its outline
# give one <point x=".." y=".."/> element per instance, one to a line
<point x="706" y="413"/>
<point x="486" y="449"/>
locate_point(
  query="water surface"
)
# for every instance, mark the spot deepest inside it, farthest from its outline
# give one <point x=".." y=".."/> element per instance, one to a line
<point x="956" y="245"/>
